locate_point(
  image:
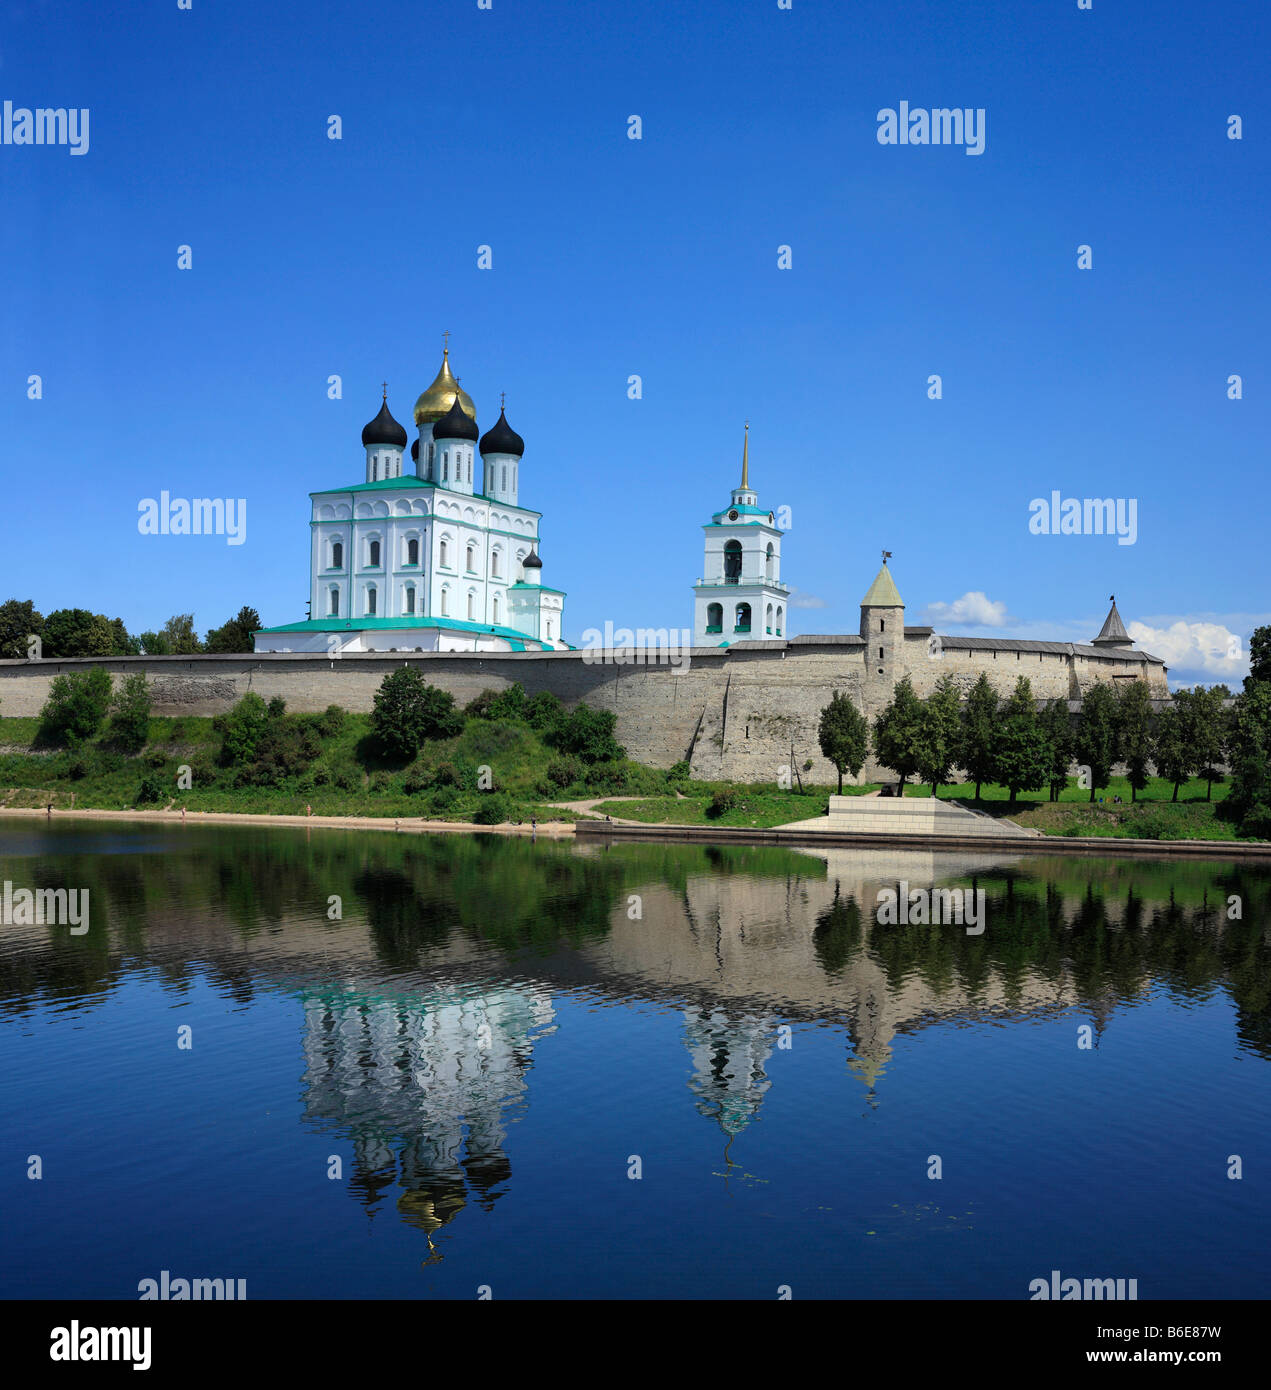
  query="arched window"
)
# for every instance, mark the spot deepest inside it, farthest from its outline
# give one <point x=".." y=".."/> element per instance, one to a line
<point x="505" y="477"/>
<point x="714" y="617"/>
<point x="370" y="601"/>
<point x="445" y="467"/>
<point x="410" y="598"/>
<point x="771" y="558"/>
<point x="375" y="468"/>
<point x="337" y="555"/>
<point x="743" y="617"/>
<point x="431" y="451"/>
<point x="472" y="606"/>
<point x="549" y="629"/>
<point x="496" y="608"/>
<point x="442" y="553"/>
<point x="470" y="558"/>
<point x="494" y="563"/>
<point x="781" y="619"/>
<point x="732" y="562"/>
<point x="768" y="618"/>
<point x="445" y="600"/>
<point x="334" y="608"/>
<point x="373" y="554"/>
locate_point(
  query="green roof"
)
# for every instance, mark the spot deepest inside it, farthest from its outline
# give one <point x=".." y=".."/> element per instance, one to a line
<point x="542" y="588"/>
<point x="883" y="592"/>
<point x="401" y="624"/>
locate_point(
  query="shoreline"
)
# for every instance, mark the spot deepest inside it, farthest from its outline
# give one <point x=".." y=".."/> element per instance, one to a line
<point x="599" y="831"/>
<point x="414" y="825"/>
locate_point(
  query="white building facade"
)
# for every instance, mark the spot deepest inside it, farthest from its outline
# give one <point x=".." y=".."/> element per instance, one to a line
<point x="437" y="556"/>
<point x="740" y="597"/>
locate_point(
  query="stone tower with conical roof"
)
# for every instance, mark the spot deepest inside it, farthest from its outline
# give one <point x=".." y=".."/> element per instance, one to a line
<point x="883" y="631"/>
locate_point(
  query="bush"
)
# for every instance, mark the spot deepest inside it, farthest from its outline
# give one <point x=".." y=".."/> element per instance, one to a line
<point x="723" y="801"/>
<point x="277" y="707"/>
<point x="1156" y="825"/>
<point x="381" y="781"/>
<point x="493" y="809"/>
<point x="607" y="778"/>
<point x="564" y="772"/>
<point x="587" y="733"/>
<point x="1257" y="822"/>
<point x="151" y="789"/>
<point x="331" y="721"/>
<point x="78" y="769"/>
<point x="241" y="730"/>
<point x="445" y="775"/>
<point x="156" y="757"/>
<point x="76" y="706"/>
<point x="543" y="711"/>
<point x="130" y="714"/>
<point x="442" y="799"/>
<point x="408" y="711"/>
<point x="510" y="704"/>
<point x="679" y="772"/>
<point x="418" y="778"/>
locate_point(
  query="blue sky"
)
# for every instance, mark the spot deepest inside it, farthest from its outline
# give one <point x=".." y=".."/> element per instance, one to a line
<point x="658" y="257"/>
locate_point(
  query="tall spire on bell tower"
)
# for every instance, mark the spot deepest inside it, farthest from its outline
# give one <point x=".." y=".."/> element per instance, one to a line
<point x="743" y="496"/>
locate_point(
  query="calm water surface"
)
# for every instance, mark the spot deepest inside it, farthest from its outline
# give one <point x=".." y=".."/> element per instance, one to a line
<point x="420" y="1066"/>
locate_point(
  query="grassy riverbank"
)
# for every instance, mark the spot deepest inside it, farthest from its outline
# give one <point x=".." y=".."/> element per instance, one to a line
<point x="494" y="772"/>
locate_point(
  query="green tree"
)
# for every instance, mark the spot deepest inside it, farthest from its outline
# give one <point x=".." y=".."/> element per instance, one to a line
<point x="408" y="711"/>
<point x="1249" y="749"/>
<point x="979" y="733"/>
<point x="236" y="634"/>
<point x="941" y="734"/>
<point x="1096" y="745"/>
<point x="1057" y="726"/>
<point x="1134" y="733"/>
<point x="1208" y="728"/>
<point x="1023" y="752"/>
<point x="1259" y="655"/>
<point x="898" y="733"/>
<point x="130" y="714"/>
<point x="241" y="730"/>
<point x="1174" y="758"/>
<point x="19" y="620"/>
<point x="76" y="706"/>
<point x="77" y="632"/>
<point x="180" y="636"/>
<point x="153" y="644"/>
<point x="843" y="735"/>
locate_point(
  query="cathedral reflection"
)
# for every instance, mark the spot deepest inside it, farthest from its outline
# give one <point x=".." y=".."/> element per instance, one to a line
<point x="425" y="1086"/>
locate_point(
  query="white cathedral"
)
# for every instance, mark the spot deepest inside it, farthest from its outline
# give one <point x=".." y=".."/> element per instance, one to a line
<point x="426" y="560"/>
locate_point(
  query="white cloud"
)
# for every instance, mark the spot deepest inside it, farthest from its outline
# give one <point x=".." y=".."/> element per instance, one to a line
<point x="798" y="600"/>
<point x="973" y="609"/>
<point x="1202" y="648"/>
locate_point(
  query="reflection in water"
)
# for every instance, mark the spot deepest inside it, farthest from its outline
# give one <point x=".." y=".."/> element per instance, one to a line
<point x="424" y="1088"/>
<point x="457" y="956"/>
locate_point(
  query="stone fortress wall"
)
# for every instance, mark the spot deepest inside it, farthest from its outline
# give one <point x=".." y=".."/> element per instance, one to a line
<point x="733" y="713"/>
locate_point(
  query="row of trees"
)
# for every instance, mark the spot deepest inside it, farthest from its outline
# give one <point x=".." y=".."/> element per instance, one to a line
<point x="1019" y="746"/>
<point x="70" y="632"/>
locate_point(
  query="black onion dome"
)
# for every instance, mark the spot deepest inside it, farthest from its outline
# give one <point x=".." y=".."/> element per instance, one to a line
<point x="532" y="562"/>
<point x="456" y="423"/>
<point x="414" y="449"/>
<point x="502" y="439"/>
<point x="384" y="429"/>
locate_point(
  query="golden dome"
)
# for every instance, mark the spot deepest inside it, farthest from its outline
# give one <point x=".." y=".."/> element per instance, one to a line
<point x="440" y="396"/>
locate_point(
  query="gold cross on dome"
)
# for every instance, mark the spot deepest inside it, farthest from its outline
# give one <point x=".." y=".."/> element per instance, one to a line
<point x="385" y="386"/>
<point x="445" y="338"/>
<point x="503" y="400"/>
